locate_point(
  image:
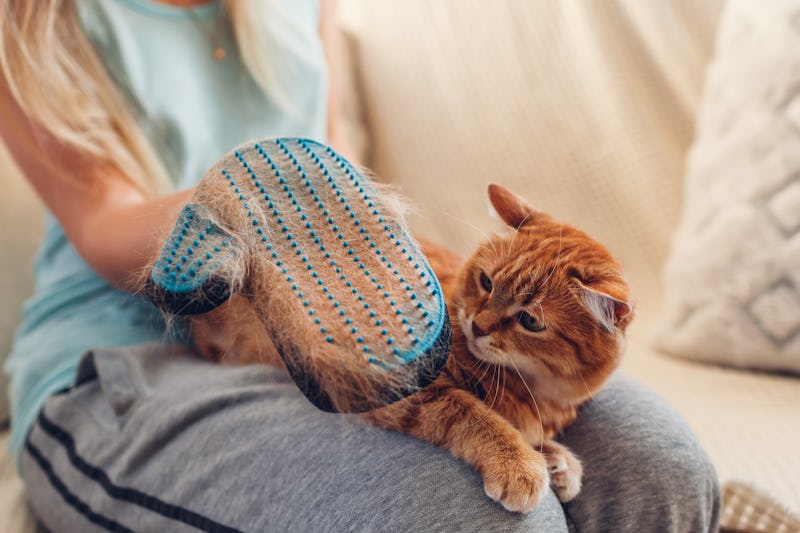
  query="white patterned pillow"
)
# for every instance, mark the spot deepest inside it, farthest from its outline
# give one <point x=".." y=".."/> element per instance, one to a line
<point x="732" y="281"/>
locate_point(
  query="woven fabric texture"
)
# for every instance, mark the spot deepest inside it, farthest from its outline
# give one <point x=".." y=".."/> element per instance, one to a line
<point x="586" y="109"/>
<point x="747" y="509"/>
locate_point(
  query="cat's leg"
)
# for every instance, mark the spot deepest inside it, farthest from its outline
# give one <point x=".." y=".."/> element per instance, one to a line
<point x="232" y="334"/>
<point x="513" y="472"/>
<point x="565" y="470"/>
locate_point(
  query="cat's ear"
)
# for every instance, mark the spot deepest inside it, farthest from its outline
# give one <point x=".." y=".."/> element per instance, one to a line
<point x="510" y="207"/>
<point x="609" y="311"/>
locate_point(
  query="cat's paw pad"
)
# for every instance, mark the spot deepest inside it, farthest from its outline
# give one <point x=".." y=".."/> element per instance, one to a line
<point x="517" y="484"/>
<point x="565" y="471"/>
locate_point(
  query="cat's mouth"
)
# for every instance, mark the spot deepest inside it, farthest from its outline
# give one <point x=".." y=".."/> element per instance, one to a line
<point x="480" y="347"/>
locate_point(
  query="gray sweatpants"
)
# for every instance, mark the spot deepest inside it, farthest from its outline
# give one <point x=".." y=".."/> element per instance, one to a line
<point x="152" y="439"/>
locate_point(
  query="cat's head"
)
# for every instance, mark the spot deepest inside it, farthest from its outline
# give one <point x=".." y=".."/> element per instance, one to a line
<point x="545" y="300"/>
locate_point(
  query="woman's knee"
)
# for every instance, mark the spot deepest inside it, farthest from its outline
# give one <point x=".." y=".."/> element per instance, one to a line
<point x="643" y="467"/>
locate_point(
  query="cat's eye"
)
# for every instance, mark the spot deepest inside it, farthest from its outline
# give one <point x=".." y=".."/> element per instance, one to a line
<point x="486" y="283"/>
<point x="530" y="322"/>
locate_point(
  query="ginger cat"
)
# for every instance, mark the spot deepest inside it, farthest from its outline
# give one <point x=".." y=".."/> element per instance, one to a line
<point x="538" y="319"/>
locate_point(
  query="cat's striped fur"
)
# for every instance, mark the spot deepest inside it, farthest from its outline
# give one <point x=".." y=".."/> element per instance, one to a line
<point x="507" y="389"/>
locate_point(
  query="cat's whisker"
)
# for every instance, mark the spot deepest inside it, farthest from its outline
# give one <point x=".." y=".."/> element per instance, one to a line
<point x="489" y="366"/>
<point x="486" y="367"/>
<point x="536" y="405"/>
<point x="486" y="370"/>
<point x="499" y="390"/>
<point x="501" y="380"/>
<point x="589" y="393"/>
<point x="490" y="243"/>
<point x="475" y="367"/>
<point x="524" y="220"/>
<point x="461" y="220"/>
<point x="226" y="355"/>
<point x="513" y="238"/>
<point x="503" y="387"/>
<point x="495" y="376"/>
<point x="455" y="305"/>
<point x="558" y="254"/>
<point x="476" y="364"/>
<point x="516" y="232"/>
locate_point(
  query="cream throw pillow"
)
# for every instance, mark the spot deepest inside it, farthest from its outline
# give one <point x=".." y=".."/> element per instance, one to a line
<point x="733" y="277"/>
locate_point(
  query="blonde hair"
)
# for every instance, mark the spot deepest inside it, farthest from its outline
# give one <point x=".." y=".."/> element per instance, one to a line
<point x="58" y="80"/>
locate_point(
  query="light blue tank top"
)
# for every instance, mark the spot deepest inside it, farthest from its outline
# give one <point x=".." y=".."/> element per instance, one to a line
<point x="194" y="108"/>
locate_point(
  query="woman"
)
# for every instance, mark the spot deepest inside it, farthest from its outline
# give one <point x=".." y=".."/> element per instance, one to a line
<point x="113" y="109"/>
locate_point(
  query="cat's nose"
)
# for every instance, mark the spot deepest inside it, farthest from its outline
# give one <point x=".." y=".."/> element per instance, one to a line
<point x="476" y="330"/>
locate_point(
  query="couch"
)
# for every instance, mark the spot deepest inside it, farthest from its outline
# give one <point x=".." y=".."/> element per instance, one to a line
<point x="586" y="108"/>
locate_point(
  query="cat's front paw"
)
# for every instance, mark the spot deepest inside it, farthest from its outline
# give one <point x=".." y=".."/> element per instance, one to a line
<point x="565" y="470"/>
<point x="518" y="483"/>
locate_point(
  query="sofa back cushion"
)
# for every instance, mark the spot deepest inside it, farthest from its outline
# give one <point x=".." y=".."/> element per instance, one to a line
<point x="22" y="223"/>
<point x="585" y="108"/>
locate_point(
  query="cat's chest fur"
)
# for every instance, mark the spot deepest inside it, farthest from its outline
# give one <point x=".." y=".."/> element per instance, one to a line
<point x="510" y="395"/>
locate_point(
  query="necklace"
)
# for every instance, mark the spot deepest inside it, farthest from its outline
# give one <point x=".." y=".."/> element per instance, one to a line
<point x="211" y="32"/>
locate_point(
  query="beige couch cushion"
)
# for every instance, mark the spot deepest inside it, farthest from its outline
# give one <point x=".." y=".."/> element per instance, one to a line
<point x="22" y="223"/>
<point x="746" y="421"/>
<point x="586" y="108"/>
